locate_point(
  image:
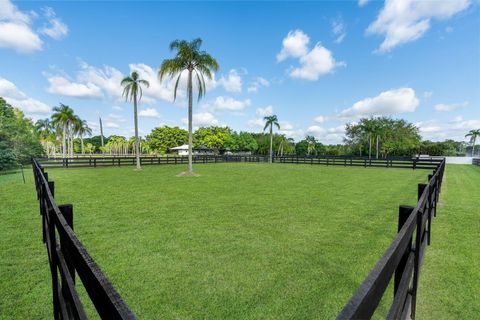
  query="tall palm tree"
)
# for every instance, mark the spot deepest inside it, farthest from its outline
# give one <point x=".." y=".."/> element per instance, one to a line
<point x="473" y="134"/>
<point x="62" y="118"/>
<point x="197" y="63"/>
<point x="271" y="121"/>
<point x="312" y="144"/>
<point x="45" y="130"/>
<point x="83" y="130"/>
<point x="132" y="89"/>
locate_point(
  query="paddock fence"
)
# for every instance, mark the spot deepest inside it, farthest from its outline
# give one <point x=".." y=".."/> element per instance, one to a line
<point x="391" y="162"/>
<point x="67" y="257"/>
<point x="402" y="261"/>
<point x="476" y="161"/>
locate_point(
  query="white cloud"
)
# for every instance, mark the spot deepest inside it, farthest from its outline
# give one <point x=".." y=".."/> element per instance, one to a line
<point x="294" y="45"/>
<point x="117" y="108"/>
<point x="361" y="3"/>
<point x="332" y="135"/>
<point x="107" y="79"/>
<point x="202" y="119"/>
<point x="339" y="30"/>
<point x="16" y="31"/>
<point x="320" y="119"/>
<point x="65" y="87"/>
<point x="157" y="90"/>
<point x="314" y="63"/>
<point x="228" y="103"/>
<point x="232" y="83"/>
<point x="264" y="112"/>
<point x="259" y="82"/>
<point x="19" y="99"/>
<point x="402" y="21"/>
<point x="442" y="107"/>
<point x="149" y="113"/>
<point x="111" y="124"/>
<point x="260" y="113"/>
<point x="55" y="29"/>
<point x="454" y="129"/>
<point x="389" y="102"/>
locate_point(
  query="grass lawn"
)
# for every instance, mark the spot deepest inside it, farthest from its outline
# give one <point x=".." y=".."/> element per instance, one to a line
<point x="244" y="241"/>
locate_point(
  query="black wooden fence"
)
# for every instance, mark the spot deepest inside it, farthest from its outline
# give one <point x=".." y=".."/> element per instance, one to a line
<point x="403" y="259"/>
<point x="393" y="162"/>
<point x="67" y="257"/>
<point x="476" y="161"/>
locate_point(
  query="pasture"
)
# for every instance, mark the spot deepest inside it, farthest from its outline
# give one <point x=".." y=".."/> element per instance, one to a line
<point x="244" y="241"/>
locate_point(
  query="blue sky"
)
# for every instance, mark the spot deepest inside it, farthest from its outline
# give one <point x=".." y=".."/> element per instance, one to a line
<point x="316" y="65"/>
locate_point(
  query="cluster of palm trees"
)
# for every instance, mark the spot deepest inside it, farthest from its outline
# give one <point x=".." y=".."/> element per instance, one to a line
<point x="65" y="125"/>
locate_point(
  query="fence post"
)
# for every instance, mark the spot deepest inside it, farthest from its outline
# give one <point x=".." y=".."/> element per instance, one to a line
<point x="403" y="214"/>
<point x="66" y="162"/>
<point x="67" y="212"/>
<point x="95" y="162"/>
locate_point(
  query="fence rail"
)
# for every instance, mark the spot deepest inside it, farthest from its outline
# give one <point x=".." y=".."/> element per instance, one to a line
<point x="68" y="257"/>
<point x="403" y="259"/>
<point x="393" y="162"/>
<point x="476" y="161"/>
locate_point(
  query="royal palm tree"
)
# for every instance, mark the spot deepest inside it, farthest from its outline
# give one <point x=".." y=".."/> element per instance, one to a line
<point x="473" y="134"/>
<point x="271" y="121"/>
<point x="132" y="89"/>
<point x="196" y="63"/>
<point x="312" y="144"/>
<point x="62" y="118"/>
<point x="46" y="132"/>
<point x="83" y="130"/>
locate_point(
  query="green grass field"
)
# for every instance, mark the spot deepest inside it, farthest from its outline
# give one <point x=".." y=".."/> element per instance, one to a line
<point x="243" y="241"/>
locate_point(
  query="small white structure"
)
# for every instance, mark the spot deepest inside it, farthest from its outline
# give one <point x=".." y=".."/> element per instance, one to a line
<point x="183" y="150"/>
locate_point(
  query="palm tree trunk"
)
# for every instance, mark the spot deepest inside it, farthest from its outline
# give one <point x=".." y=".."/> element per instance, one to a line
<point x="190" y="136"/>
<point x="377" y="146"/>
<point x="473" y="148"/>
<point x="271" y="142"/>
<point x="137" y="151"/>
<point x="81" y="141"/>
<point x="369" y="146"/>
<point x="64" y="140"/>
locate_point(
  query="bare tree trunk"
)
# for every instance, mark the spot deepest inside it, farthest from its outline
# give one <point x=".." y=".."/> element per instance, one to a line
<point x="190" y="136"/>
<point x="137" y="151"/>
<point x="271" y="142"/>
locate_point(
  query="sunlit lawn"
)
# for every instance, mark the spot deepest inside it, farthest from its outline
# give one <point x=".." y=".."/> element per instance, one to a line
<point x="244" y="241"/>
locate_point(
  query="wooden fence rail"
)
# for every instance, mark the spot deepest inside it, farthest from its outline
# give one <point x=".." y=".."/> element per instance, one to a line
<point x="393" y="162"/>
<point x="476" y="161"/>
<point x="403" y="259"/>
<point x="68" y="257"/>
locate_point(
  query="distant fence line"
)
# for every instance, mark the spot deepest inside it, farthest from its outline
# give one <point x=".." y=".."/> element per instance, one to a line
<point x="392" y="162"/>
<point x="403" y="259"/>
<point x="476" y="161"/>
<point x="67" y="256"/>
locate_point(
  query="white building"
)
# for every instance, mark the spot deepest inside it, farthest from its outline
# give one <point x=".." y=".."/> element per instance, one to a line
<point x="183" y="150"/>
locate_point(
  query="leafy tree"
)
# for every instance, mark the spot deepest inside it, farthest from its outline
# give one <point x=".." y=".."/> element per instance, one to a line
<point x="96" y="141"/>
<point x="271" y="121"/>
<point x="395" y="136"/>
<point x="161" y="139"/>
<point x="89" y="148"/>
<point x="212" y="137"/>
<point x="199" y="63"/>
<point x="132" y="90"/>
<point x="242" y="141"/>
<point x="18" y="138"/>
<point x="473" y="134"/>
<point x="301" y="148"/>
